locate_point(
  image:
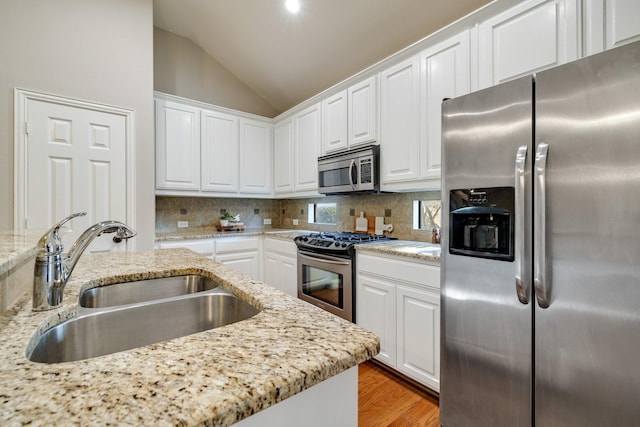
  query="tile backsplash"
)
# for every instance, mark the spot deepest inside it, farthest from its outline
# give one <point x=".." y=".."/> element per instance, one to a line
<point x="397" y="208"/>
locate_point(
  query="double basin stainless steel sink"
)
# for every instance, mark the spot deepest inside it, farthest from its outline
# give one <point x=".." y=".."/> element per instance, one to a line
<point x="128" y="315"/>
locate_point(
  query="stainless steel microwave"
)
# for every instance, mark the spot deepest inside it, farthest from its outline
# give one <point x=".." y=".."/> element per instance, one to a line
<point x="353" y="171"/>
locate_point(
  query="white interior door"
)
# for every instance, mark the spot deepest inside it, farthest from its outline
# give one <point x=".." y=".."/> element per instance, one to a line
<point x="75" y="161"/>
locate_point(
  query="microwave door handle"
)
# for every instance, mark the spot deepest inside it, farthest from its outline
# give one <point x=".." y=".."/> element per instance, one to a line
<point x="352" y="167"/>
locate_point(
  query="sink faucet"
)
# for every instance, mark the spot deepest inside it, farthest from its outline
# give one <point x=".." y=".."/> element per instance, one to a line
<point x="53" y="268"/>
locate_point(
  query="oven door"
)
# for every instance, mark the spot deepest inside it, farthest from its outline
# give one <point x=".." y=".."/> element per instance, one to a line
<point x="325" y="281"/>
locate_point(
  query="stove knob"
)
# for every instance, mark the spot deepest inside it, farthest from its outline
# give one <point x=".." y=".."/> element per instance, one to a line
<point x="337" y="244"/>
<point x="306" y="239"/>
<point x="344" y="245"/>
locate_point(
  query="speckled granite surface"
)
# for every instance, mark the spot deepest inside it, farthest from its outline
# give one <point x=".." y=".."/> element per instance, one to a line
<point x="216" y="377"/>
<point x="419" y="250"/>
<point x="15" y="248"/>
<point x="213" y="233"/>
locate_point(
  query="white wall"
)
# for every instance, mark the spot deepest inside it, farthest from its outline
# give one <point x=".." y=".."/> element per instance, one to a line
<point x="183" y="69"/>
<point x="94" y="50"/>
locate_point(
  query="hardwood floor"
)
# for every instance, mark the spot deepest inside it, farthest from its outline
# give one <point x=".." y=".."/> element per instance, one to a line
<point x="386" y="400"/>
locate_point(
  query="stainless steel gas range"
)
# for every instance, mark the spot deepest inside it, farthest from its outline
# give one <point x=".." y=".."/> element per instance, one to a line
<point x="326" y="269"/>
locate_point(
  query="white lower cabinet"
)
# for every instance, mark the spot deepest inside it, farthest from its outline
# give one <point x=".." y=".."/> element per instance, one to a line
<point x="240" y="253"/>
<point x="281" y="265"/>
<point x="243" y="254"/>
<point x="202" y="246"/>
<point x="398" y="298"/>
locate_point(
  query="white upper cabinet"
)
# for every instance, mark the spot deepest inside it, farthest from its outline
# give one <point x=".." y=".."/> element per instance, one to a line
<point x="399" y="122"/>
<point x="349" y="118"/>
<point x="362" y="112"/>
<point x="255" y="156"/>
<point x="334" y="123"/>
<point x="307" y="139"/>
<point x="532" y="36"/>
<point x="219" y="145"/>
<point x="444" y="73"/>
<point x="609" y="24"/>
<point x="177" y="146"/>
<point x="211" y="151"/>
<point x="283" y="154"/>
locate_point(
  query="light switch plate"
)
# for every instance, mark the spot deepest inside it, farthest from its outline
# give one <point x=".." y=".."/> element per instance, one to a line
<point x="266" y="221"/>
<point x="296" y="222"/>
<point x="183" y="224"/>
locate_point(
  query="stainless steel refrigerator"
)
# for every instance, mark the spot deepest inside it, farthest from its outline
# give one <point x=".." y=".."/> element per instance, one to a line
<point x="541" y="249"/>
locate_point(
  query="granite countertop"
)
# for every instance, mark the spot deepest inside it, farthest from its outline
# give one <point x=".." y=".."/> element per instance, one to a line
<point x="408" y="248"/>
<point x="216" y="377"/>
<point x="16" y="247"/>
<point x="212" y="232"/>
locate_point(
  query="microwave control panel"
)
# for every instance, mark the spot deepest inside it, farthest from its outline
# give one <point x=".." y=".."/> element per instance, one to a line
<point x="366" y="170"/>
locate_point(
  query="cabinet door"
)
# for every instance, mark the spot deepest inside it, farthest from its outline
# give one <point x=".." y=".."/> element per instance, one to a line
<point x="289" y="275"/>
<point x="307" y="139"/>
<point x="272" y="270"/>
<point x="220" y="147"/>
<point x="622" y="22"/>
<point x="255" y="157"/>
<point x="362" y="112"/>
<point x="610" y="23"/>
<point x="532" y="36"/>
<point x="334" y="123"/>
<point x="283" y="157"/>
<point x="376" y="311"/>
<point x="418" y="335"/>
<point x="399" y="122"/>
<point x="445" y="73"/>
<point x="177" y="146"/>
<point x="244" y="262"/>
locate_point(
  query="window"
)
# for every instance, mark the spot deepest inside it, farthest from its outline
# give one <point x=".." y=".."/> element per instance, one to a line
<point x="323" y="213"/>
<point x="426" y="214"/>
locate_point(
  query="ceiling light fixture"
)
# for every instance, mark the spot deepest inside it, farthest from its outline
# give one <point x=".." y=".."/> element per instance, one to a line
<point x="293" y="6"/>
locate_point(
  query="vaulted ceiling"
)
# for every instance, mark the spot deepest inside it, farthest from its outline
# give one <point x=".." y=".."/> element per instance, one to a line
<point x="286" y="58"/>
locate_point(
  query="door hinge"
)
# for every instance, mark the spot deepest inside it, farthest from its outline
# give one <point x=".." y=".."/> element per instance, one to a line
<point x="26" y="128"/>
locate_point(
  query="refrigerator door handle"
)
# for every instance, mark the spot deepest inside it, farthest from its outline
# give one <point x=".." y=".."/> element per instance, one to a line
<point x="522" y="287"/>
<point x="540" y="282"/>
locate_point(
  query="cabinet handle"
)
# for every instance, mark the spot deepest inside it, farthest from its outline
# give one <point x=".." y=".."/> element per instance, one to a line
<point x="540" y="282"/>
<point x="522" y="285"/>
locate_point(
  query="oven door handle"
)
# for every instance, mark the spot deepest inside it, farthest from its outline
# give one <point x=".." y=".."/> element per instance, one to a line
<point x="323" y="258"/>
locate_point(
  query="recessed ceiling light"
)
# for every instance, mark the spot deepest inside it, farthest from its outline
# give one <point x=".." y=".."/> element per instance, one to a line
<point x="293" y="6"/>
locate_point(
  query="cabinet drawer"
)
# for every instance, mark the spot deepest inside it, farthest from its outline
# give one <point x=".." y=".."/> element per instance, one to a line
<point x="204" y="247"/>
<point x="231" y="244"/>
<point x="280" y="246"/>
<point x="397" y="268"/>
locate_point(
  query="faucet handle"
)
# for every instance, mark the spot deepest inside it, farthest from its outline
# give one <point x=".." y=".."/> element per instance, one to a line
<point x="51" y="243"/>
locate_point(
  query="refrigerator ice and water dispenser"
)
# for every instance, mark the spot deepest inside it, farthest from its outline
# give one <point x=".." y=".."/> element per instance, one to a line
<point x="482" y="222"/>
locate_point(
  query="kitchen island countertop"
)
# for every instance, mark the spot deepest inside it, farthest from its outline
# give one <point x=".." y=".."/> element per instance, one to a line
<point x="216" y="377"/>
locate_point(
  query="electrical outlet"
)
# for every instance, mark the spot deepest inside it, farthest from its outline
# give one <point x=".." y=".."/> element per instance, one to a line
<point x="266" y="221"/>
<point x="183" y="224"/>
<point x="296" y="222"/>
